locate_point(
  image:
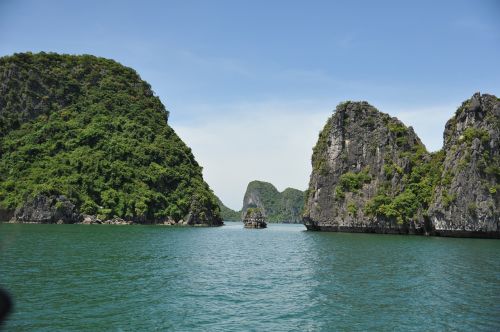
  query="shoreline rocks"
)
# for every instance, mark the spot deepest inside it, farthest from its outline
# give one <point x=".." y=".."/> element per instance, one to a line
<point x="43" y="213"/>
<point x="47" y="210"/>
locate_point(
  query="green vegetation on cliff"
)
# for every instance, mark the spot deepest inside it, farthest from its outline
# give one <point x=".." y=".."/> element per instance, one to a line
<point x="228" y="214"/>
<point x="319" y="162"/>
<point x="369" y="152"/>
<point x="418" y="188"/>
<point x="90" y="129"/>
<point x="286" y="206"/>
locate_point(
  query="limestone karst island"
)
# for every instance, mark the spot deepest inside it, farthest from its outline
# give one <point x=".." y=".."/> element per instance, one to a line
<point x="278" y="207"/>
<point x="84" y="140"/>
<point x="372" y="174"/>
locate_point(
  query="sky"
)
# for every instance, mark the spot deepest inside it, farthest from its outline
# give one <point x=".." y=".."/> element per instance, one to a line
<point x="249" y="84"/>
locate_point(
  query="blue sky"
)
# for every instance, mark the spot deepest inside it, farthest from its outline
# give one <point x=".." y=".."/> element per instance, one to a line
<point x="250" y="83"/>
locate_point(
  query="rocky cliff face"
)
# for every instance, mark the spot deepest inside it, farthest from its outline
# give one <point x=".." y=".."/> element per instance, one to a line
<point x="277" y="207"/>
<point x="361" y="158"/>
<point x="49" y="210"/>
<point x="467" y="199"/>
<point x="371" y="173"/>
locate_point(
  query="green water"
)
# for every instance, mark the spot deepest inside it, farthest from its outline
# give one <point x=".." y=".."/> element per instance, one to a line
<point x="136" y="278"/>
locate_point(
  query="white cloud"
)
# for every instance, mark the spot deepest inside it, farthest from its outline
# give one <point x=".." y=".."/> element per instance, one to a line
<point x="267" y="141"/>
<point x="273" y="141"/>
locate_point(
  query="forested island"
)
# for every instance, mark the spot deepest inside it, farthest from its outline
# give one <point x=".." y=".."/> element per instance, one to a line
<point x="85" y="138"/>
<point x="278" y="207"/>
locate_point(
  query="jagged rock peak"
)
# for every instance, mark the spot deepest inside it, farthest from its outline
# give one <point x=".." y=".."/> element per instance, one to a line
<point x="467" y="198"/>
<point x="359" y="166"/>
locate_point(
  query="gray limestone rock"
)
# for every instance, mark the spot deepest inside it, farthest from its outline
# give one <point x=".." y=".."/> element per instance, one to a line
<point x="47" y="209"/>
<point x="466" y="202"/>
<point x="371" y="173"/>
<point x="359" y="151"/>
<point x="254" y="218"/>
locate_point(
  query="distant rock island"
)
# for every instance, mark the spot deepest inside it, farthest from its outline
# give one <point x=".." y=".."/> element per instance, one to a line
<point x="254" y="218"/>
<point x="285" y="206"/>
<point x="278" y="207"/>
<point x="371" y="173"/>
<point x="84" y="138"/>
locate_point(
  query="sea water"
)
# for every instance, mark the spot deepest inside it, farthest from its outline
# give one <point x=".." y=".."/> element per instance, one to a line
<point x="283" y="278"/>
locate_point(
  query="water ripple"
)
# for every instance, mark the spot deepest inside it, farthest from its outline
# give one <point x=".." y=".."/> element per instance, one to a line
<point x="74" y="278"/>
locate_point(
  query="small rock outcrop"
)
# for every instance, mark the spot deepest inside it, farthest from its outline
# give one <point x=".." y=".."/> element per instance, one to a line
<point x="254" y="218"/>
<point x="90" y="220"/>
<point x="278" y="206"/>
